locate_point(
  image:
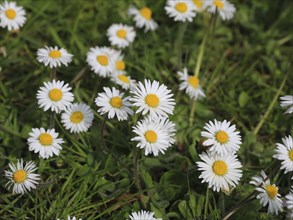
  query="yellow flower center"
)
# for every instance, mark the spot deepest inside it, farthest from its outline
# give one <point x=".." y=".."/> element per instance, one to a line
<point x="193" y="81"/>
<point x="290" y="153"/>
<point x="152" y="100"/>
<point x="46" y="139"/>
<point x="120" y="65"/>
<point x="123" y="78"/>
<point x="272" y="191"/>
<point x="55" y="95"/>
<point x="151" y="136"/>
<point x="181" y="7"/>
<point x="121" y="33"/>
<point x="219" y="4"/>
<point x="220" y="168"/>
<point x="198" y="3"/>
<point x="146" y="13"/>
<point x="116" y="102"/>
<point x="55" y="54"/>
<point x="103" y="60"/>
<point x="10" y="13"/>
<point x="222" y="137"/>
<point x="76" y="117"/>
<point x="19" y="176"/>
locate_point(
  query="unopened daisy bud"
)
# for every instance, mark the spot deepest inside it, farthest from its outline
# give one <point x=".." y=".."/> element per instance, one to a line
<point x="22" y="177"/>
<point x="12" y="16"/>
<point x="121" y="35"/>
<point x="53" y="56"/>
<point x="224" y="8"/>
<point x="181" y="10"/>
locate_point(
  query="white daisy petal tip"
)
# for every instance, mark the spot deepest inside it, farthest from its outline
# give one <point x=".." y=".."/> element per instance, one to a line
<point x="286" y="102"/>
<point x="143" y="215"/>
<point x="12" y="16"/>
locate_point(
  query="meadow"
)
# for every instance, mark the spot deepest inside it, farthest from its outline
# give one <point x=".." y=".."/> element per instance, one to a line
<point x="244" y="66"/>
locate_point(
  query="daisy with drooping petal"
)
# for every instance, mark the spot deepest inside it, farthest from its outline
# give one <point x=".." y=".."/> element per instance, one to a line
<point x="154" y="135"/>
<point x="121" y="35"/>
<point x="221" y="172"/>
<point x="200" y="5"/>
<point x="284" y="152"/>
<point x="54" y="95"/>
<point x="225" y="8"/>
<point x="143" y="18"/>
<point x="286" y="102"/>
<point x="191" y="84"/>
<point x="153" y="98"/>
<point x="78" y="117"/>
<point x="181" y="10"/>
<point x="45" y="142"/>
<point x="267" y="193"/>
<point x="113" y="103"/>
<point x="223" y="138"/>
<point x="123" y="80"/>
<point x="289" y="203"/>
<point x="100" y="60"/>
<point x="142" y="215"/>
<point x="53" y="56"/>
<point x="11" y="16"/>
<point x="22" y="177"/>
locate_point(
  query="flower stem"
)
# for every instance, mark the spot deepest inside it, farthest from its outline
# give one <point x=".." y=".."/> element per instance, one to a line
<point x="206" y="204"/>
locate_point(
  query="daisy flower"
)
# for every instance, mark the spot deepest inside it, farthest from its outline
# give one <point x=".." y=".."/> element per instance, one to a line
<point x="221" y="172"/>
<point x="53" y="56"/>
<point x="200" y="5"/>
<point x="289" y="203"/>
<point x="142" y="215"/>
<point x="153" y="98"/>
<point x="121" y="35"/>
<point x="113" y="103"/>
<point x="181" y="10"/>
<point x="44" y="142"/>
<point x="78" y="117"/>
<point x="54" y="95"/>
<point x="73" y="218"/>
<point x="100" y="60"/>
<point x="11" y="16"/>
<point x="225" y="8"/>
<point x="143" y="18"/>
<point x="286" y="102"/>
<point x="223" y="138"/>
<point x="191" y="85"/>
<point x="154" y="135"/>
<point x="22" y="177"/>
<point x="123" y="80"/>
<point x="284" y="152"/>
<point x="118" y="60"/>
<point x="267" y="193"/>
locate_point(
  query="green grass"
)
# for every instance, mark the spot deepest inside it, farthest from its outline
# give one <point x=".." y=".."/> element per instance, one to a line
<point x="243" y="66"/>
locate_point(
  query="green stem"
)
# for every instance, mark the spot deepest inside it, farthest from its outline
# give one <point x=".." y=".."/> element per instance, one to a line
<point x="206" y="203"/>
<point x="136" y="169"/>
<point x="260" y="124"/>
<point x="200" y="55"/>
<point x="53" y="73"/>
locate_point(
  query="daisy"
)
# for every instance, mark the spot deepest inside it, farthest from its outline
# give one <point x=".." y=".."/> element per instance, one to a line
<point x="153" y="98"/>
<point x="121" y="35"/>
<point x="100" y="61"/>
<point x="11" y="16"/>
<point x="154" y="135"/>
<point x="225" y="8"/>
<point x="45" y="142"/>
<point x="78" y="117"/>
<point x="22" y="177"/>
<point x="118" y="60"/>
<point x="289" y="203"/>
<point x="191" y="85"/>
<point x="123" y="80"/>
<point x="142" y="215"/>
<point x="73" y="218"/>
<point x="223" y="138"/>
<point x="143" y="18"/>
<point x="284" y="152"/>
<point x="200" y="5"/>
<point x="181" y="10"/>
<point x="221" y="172"/>
<point x="54" y="95"/>
<point x="113" y="103"/>
<point x="267" y="193"/>
<point x="53" y="56"/>
<point x="286" y="102"/>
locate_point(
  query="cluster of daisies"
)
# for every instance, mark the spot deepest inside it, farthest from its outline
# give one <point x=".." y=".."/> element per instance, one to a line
<point x="151" y="101"/>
